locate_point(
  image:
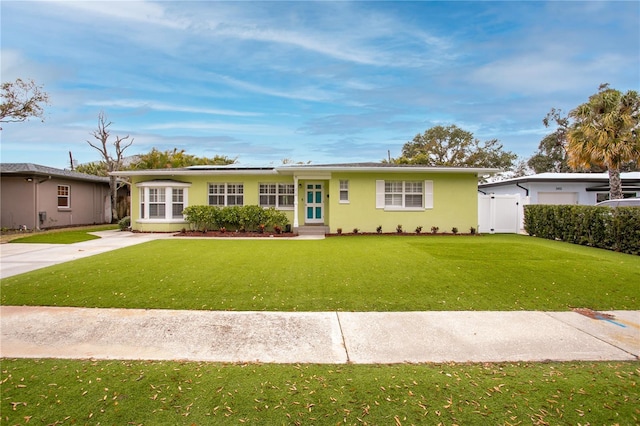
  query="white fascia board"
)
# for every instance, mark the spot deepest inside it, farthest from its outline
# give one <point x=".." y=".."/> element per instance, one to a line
<point x="311" y="169"/>
<point x="163" y="183"/>
<point x="183" y="172"/>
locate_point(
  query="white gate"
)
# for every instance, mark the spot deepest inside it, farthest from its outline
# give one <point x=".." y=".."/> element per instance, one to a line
<point x="500" y="214"/>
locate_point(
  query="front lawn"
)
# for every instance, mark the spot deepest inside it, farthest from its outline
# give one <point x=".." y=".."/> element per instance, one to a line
<point x="170" y="393"/>
<point x="61" y="236"/>
<point x="365" y="273"/>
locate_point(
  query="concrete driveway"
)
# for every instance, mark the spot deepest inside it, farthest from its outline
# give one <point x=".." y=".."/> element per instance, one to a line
<point x="18" y="258"/>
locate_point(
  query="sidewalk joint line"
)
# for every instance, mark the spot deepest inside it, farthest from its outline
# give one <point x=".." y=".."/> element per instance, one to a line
<point x="594" y="336"/>
<point x="344" y="343"/>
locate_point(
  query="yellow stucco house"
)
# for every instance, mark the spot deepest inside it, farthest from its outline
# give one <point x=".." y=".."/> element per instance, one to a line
<point x="327" y="197"/>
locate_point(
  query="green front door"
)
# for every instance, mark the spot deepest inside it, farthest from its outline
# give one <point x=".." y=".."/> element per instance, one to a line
<point x="314" y="207"/>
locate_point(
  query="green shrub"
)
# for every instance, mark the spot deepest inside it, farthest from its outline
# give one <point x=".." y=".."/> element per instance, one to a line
<point x="231" y="218"/>
<point x="203" y="218"/>
<point x="615" y="229"/>
<point x="124" y="223"/>
<point x="275" y="218"/>
<point x="241" y="218"/>
<point x="251" y="217"/>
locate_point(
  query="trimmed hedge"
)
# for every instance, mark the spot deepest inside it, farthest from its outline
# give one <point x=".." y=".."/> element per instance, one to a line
<point x="615" y="229"/>
<point x="240" y="218"/>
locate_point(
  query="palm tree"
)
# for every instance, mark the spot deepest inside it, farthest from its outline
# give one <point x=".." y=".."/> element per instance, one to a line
<point x="606" y="132"/>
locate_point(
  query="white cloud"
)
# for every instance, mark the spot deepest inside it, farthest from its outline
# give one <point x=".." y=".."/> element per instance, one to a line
<point x="546" y="72"/>
<point x="236" y="128"/>
<point x="159" y="106"/>
<point x="141" y="12"/>
<point x="307" y="93"/>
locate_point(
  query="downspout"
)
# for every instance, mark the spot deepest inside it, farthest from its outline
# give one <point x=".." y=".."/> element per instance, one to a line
<point x="295" y="203"/>
<point x="37" y="201"/>
<point x="525" y="189"/>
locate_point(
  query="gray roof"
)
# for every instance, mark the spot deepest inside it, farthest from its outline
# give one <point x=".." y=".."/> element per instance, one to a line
<point x="30" y="169"/>
<point x="628" y="177"/>
<point x="302" y="168"/>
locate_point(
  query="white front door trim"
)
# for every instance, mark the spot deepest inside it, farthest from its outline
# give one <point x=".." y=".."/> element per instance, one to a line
<point x="314" y="202"/>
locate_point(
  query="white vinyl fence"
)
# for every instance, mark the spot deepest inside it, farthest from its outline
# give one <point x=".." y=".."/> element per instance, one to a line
<point x="500" y="214"/>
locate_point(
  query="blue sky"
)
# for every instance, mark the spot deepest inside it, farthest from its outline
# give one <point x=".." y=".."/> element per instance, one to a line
<point x="321" y="82"/>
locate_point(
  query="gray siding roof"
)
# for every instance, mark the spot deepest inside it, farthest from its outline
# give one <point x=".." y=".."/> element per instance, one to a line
<point x="30" y="169"/>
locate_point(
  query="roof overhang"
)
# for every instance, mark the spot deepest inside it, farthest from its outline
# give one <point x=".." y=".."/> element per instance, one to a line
<point x="195" y="172"/>
<point x="41" y="173"/>
<point x="606" y="188"/>
<point x="163" y="183"/>
<point x="628" y="178"/>
<point x="385" y="169"/>
<point x="306" y="170"/>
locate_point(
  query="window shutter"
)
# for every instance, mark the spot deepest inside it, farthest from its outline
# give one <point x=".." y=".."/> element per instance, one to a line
<point x="428" y="194"/>
<point x="379" y="194"/>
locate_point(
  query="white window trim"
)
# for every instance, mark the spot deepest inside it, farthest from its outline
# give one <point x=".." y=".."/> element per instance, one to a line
<point x="340" y="191"/>
<point x="277" y="194"/>
<point x="168" y="187"/>
<point x="427" y="197"/>
<point x="68" y="197"/>
<point x="226" y="193"/>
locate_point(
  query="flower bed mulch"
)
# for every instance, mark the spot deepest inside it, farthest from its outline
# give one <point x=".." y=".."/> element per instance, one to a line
<point x="233" y="234"/>
<point x="400" y="234"/>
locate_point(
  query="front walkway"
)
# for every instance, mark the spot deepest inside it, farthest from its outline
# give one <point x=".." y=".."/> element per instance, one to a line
<point x="316" y="337"/>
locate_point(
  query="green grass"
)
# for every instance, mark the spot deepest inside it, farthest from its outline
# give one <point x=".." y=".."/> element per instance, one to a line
<point x="367" y="273"/>
<point x="170" y="393"/>
<point x="66" y="236"/>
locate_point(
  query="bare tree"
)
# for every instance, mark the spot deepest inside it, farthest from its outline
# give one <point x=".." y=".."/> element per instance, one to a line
<point x="21" y="100"/>
<point x="102" y="134"/>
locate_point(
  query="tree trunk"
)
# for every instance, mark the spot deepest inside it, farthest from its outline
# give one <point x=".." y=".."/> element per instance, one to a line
<point x="615" y="184"/>
<point x="113" y="189"/>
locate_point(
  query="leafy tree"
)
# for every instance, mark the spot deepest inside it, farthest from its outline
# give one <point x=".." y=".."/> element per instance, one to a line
<point x="21" y="100"/>
<point x="551" y="156"/>
<point x="605" y="131"/>
<point x="289" y="161"/>
<point x="102" y="135"/>
<point x="96" y="168"/>
<point x="156" y="159"/>
<point x="453" y="147"/>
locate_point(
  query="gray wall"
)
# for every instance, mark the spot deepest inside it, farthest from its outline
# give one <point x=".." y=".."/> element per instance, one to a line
<point x="23" y="200"/>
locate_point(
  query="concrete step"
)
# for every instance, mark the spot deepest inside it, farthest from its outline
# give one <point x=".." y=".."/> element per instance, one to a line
<point x="313" y="230"/>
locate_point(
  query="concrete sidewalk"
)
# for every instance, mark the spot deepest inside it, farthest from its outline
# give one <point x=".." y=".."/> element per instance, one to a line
<point x="316" y="337"/>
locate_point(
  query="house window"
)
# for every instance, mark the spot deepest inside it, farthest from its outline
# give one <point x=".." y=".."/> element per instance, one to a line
<point x="604" y="196"/>
<point x="226" y="194"/>
<point x="268" y="194"/>
<point x="404" y="195"/>
<point x="344" y="191"/>
<point x="177" y="203"/>
<point x="286" y="195"/>
<point x="163" y="200"/>
<point x="157" y="203"/>
<point x="278" y="195"/>
<point x="63" y="197"/>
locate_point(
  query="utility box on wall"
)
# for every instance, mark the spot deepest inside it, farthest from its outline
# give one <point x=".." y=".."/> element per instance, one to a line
<point x="42" y="216"/>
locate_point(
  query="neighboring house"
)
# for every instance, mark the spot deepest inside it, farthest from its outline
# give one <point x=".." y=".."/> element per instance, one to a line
<point x="563" y="188"/>
<point x="39" y="197"/>
<point x="314" y="197"/>
<point x="501" y="203"/>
